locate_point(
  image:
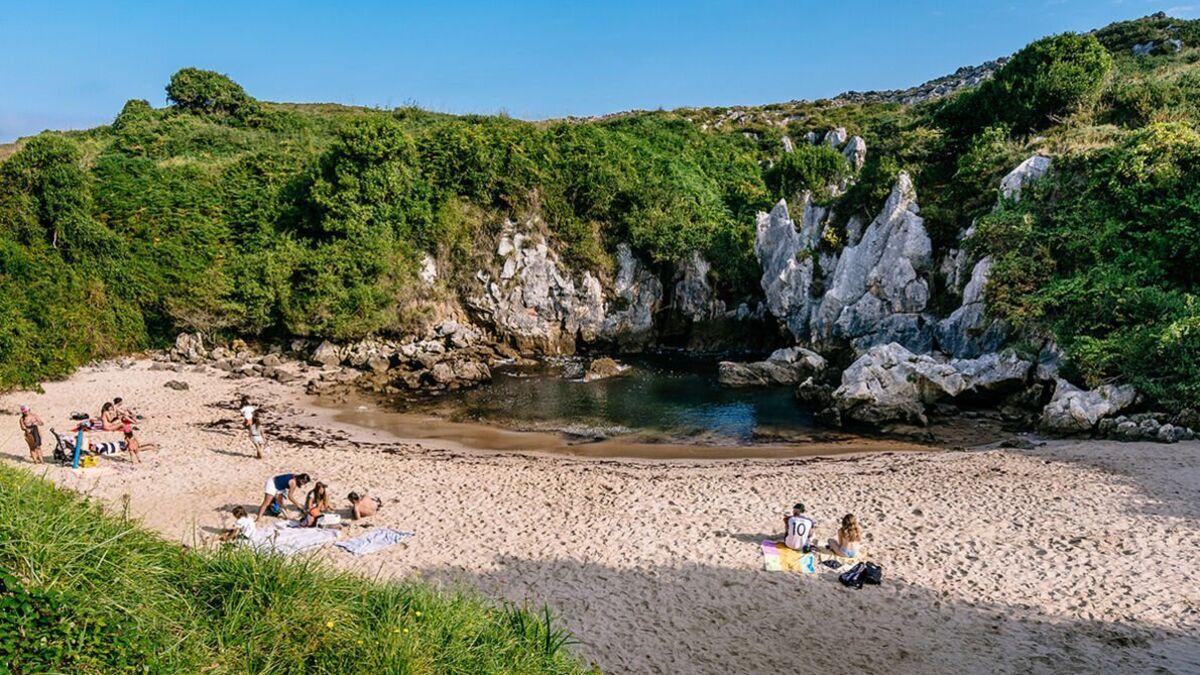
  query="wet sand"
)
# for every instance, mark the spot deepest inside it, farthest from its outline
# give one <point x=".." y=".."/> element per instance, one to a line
<point x="1076" y="556"/>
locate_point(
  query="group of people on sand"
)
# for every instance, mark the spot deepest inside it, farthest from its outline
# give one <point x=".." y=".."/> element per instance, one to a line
<point x="285" y="488"/>
<point x="798" y="531"/>
<point x="115" y="416"/>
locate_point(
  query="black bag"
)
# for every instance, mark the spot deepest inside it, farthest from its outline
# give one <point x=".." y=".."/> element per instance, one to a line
<point x="853" y="577"/>
<point x="872" y="574"/>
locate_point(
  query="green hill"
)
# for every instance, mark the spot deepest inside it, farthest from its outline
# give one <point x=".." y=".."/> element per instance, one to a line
<point x="85" y="592"/>
<point x="232" y="215"/>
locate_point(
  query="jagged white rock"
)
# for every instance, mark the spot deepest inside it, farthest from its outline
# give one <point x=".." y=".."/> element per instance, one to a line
<point x="1074" y="410"/>
<point x="1026" y="172"/>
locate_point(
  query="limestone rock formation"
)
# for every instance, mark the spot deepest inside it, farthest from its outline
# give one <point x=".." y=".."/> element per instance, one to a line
<point x="855" y="152"/>
<point x="640" y="294"/>
<point x="889" y="383"/>
<point x="968" y="331"/>
<point x="1026" y="172"/>
<point x="1074" y="410"/>
<point x="878" y="291"/>
<point x="791" y="365"/>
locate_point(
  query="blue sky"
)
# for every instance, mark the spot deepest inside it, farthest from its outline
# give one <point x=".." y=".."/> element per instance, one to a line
<point x="72" y="64"/>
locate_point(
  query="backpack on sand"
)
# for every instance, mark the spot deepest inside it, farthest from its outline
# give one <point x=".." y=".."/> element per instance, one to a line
<point x="872" y="574"/>
<point x="853" y="577"/>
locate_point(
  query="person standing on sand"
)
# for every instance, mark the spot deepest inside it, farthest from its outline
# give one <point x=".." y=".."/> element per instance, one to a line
<point x="257" y="436"/>
<point x="279" y="487"/>
<point x="798" y="528"/>
<point x="30" y="427"/>
<point x="364" y="506"/>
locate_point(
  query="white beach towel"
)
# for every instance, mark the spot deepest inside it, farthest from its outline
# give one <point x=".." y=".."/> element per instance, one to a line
<point x="375" y="539"/>
<point x="285" y="539"/>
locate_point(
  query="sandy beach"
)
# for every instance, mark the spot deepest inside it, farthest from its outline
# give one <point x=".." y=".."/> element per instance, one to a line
<point x="1075" y="556"/>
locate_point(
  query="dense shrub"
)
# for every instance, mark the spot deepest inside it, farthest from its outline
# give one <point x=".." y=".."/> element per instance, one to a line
<point x="1042" y="83"/>
<point x="208" y="92"/>
<point x="1106" y="258"/>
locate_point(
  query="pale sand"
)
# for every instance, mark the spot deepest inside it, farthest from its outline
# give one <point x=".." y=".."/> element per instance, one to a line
<point x="1076" y="556"/>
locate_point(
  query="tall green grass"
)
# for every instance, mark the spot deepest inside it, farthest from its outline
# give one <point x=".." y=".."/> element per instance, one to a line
<point x="86" y="592"/>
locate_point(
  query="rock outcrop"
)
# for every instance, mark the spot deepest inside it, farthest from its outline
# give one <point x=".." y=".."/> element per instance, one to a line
<point x="969" y="331"/>
<point x="535" y="303"/>
<point x="879" y="291"/>
<point x="889" y="383"/>
<point x="1073" y="410"/>
<point x="788" y="366"/>
<point x="1026" y="172"/>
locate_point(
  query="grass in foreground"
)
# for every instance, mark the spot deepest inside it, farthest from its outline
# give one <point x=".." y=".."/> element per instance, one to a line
<point x="86" y="592"/>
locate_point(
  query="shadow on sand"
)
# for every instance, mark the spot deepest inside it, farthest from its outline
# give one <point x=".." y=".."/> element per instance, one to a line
<point x="704" y="619"/>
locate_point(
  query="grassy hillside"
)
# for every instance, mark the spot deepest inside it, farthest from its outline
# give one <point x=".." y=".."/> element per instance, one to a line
<point x="225" y="213"/>
<point x="82" y="592"/>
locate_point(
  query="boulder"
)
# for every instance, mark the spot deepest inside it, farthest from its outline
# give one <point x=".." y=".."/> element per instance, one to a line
<point x="855" y="152"/>
<point x="378" y="363"/>
<point x="1026" y="172"/>
<point x="889" y="383"/>
<point x="1074" y="410"/>
<point x="271" y="360"/>
<point x="788" y="366"/>
<point x="177" y="385"/>
<point x="326" y="354"/>
<point x="834" y="138"/>
<point x="602" y="368"/>
<point x="993" y="373"/>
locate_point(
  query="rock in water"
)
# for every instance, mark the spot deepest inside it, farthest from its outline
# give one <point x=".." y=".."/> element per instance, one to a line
<point x="601" y="368"/>
<point x="791" y="365"/>
<point x="1073" y="410"/>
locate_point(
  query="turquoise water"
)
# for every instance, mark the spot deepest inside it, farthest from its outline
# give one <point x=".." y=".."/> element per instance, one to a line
<point x="657" y="399"/>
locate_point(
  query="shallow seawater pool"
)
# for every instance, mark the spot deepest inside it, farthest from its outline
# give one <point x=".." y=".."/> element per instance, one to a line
<point x="663" y="399"/>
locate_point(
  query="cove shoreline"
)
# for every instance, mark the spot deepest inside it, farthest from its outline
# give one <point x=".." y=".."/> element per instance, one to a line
<point x="1016" y="557"/>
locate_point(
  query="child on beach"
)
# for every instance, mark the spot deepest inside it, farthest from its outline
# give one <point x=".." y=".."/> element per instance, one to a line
<point x="243" y="526"/>
<point x="30" y="427"/>
<point x="848" y="536"/>
<point x="315" y="503"/>
<point x="363" y="505"/>
<point x="797" y="528"/>
<point x="257" y="437"/>
<point x="133" y="446"/>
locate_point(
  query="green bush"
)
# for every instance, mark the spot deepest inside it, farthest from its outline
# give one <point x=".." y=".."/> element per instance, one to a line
<point x="1105" y="256"/>
<point x="1041" y="84"/>
<point x="208" y="92"/>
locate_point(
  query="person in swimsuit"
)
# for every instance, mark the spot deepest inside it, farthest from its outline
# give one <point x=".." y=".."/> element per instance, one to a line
<point x="315" y="503"/>
<point x="848" y="536"/>
<point x="279" y="487"/>
<point x="133" y="446"/>
<point x="109" y="419"/>
<point x="30" y="427"/>
<point x="364" y="506"/>
<point x="257" y="436"/>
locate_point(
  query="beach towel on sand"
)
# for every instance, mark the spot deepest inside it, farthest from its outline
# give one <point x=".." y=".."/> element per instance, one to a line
<point x="287" y="540"/>
<point x="780" y="558"/>
<point x="375" y="539"/>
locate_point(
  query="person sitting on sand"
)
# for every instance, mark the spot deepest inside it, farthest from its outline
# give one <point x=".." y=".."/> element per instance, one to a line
<point x="798" y="528"/>
<point x="109" y="419"/>
<point x="279" y="487"/>
<point x="364" y="506"/>
<point x="315" y="503"/>
<point x="243" y="526"/>
<point x="848" y="536"/>
<point x="30" y="427"/>
<point x="133" y="446"/>
<point x="257" y="437"/>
